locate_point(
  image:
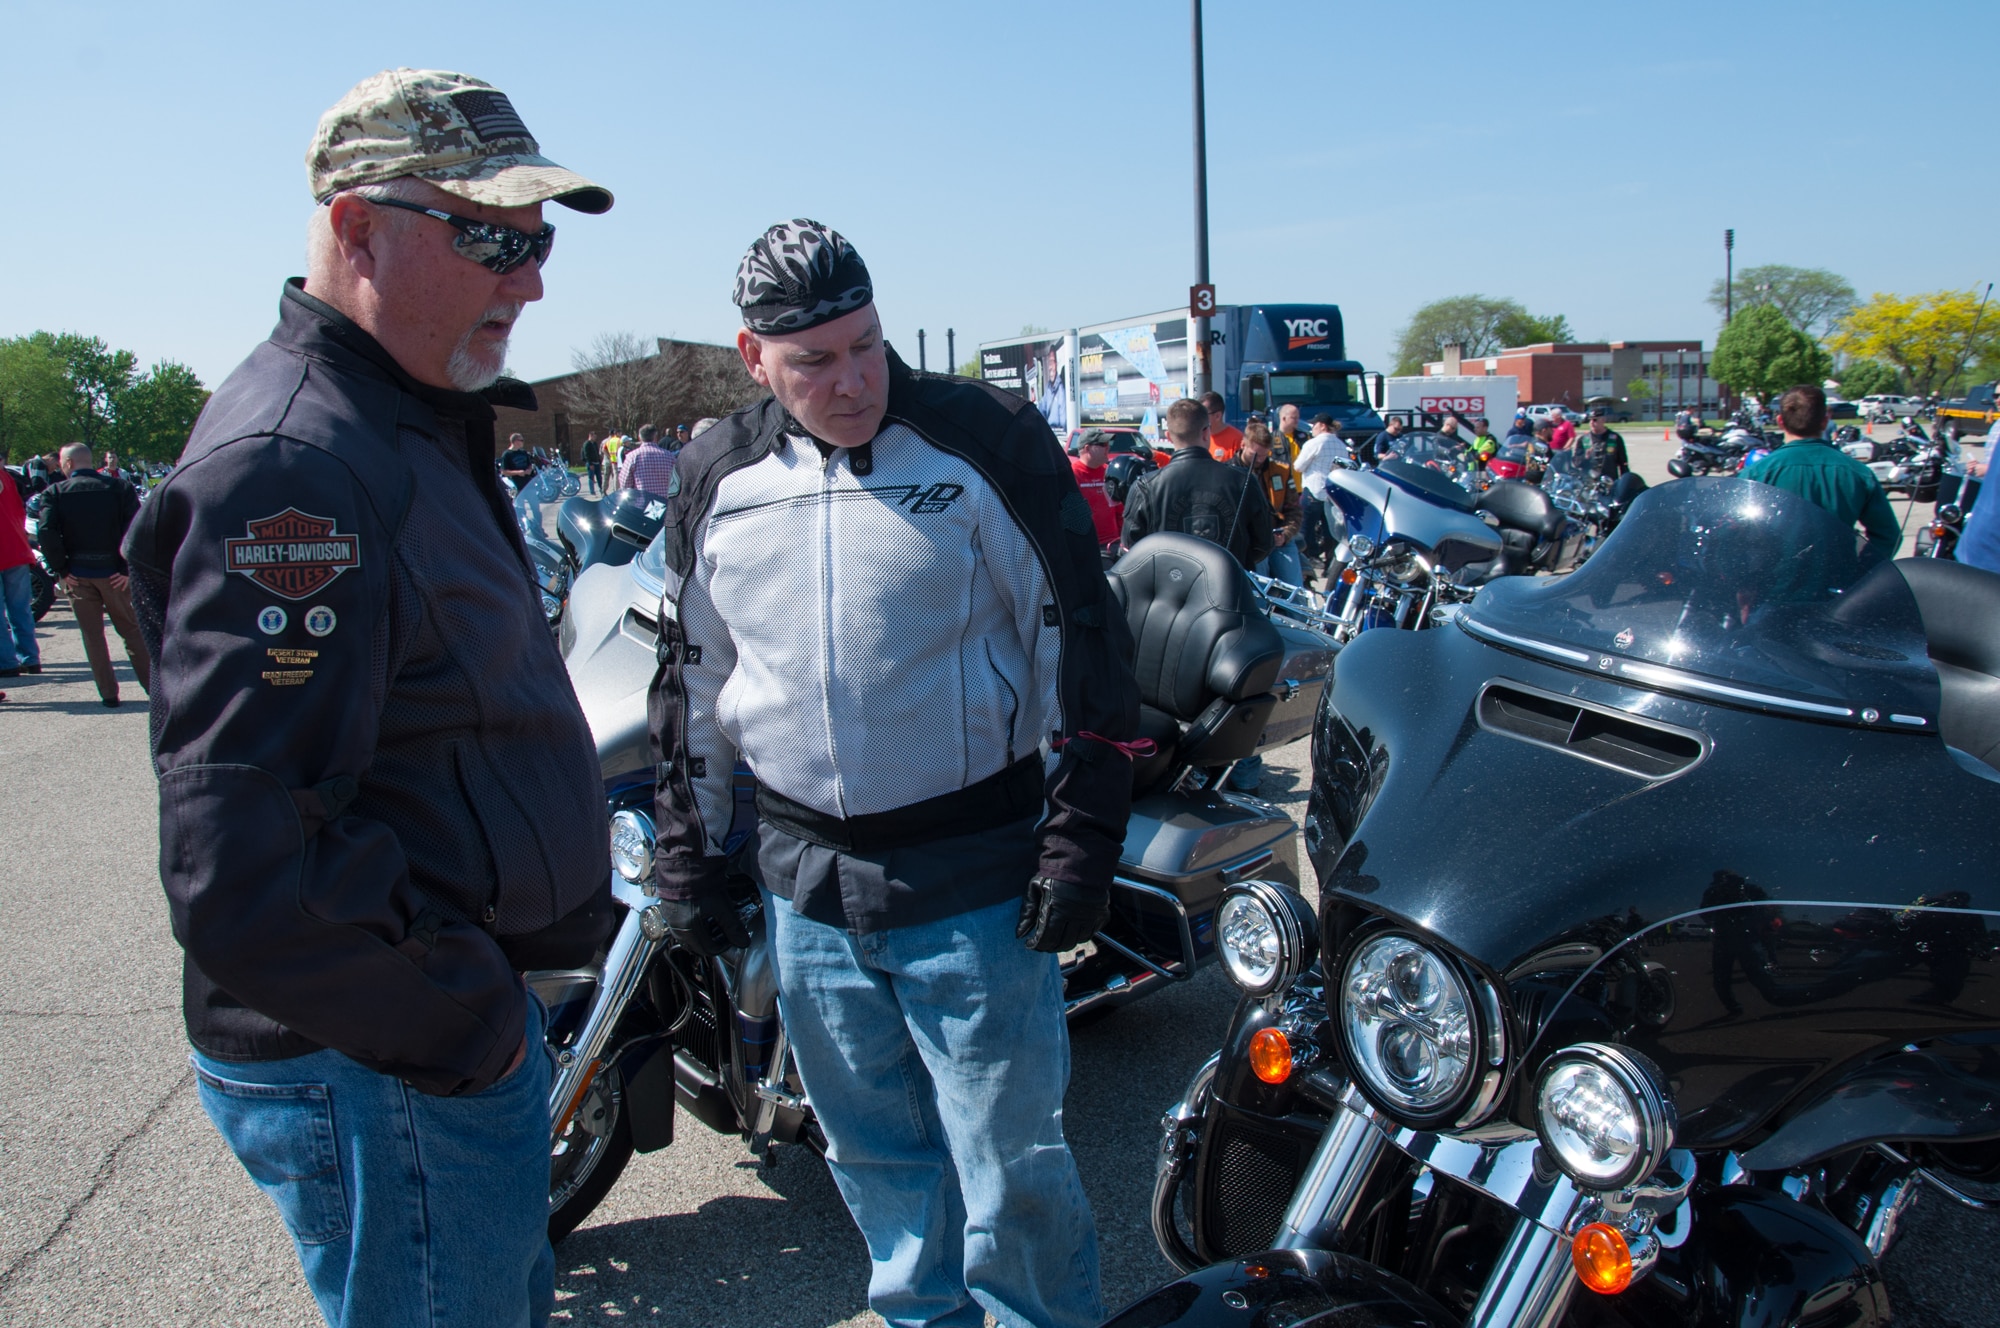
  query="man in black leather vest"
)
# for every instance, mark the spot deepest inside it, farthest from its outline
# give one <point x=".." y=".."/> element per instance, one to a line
<point x="379" y="800"/>
<point x="1198" y="495"/>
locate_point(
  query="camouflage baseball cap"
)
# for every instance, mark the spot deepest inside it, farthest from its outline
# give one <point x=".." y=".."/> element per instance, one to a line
<point x="459" y="133"/>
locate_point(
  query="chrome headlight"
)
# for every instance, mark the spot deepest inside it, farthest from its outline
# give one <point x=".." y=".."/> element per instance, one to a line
<point x="1407" y="1019"/>
<point x="1266" y="934"/>
<point x="632" y="846"/>
<point x="1604" y="1114"/>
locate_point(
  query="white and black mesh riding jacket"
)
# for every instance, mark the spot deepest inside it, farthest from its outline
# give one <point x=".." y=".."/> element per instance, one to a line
<point x="875" y="629"/>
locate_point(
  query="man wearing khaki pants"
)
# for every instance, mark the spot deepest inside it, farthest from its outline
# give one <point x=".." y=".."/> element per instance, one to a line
<point x="83" y="523"/>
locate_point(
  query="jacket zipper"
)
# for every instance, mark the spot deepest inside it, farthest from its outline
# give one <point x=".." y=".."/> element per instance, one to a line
<point x="826" y="473"/>
<point x="1013" y="700"/>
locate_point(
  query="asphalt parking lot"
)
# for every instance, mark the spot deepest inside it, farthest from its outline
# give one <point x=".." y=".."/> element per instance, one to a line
<point x="119" y="1205"/>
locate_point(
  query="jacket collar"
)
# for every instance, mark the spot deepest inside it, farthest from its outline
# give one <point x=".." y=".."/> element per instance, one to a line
<point x="311" y="326"/>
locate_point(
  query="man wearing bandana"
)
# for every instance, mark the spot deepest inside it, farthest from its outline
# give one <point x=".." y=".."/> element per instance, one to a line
<point x="884" y="594"/>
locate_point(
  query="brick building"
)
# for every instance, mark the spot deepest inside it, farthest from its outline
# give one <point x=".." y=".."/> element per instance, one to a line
<point x="1577" y="374"/>
<point x="709" y="379"/>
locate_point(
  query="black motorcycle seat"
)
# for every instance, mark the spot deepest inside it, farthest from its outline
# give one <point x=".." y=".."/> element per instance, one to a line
<point x="1628" y="487"/>
<point x="1198" y="626"/>
<point x="1523" y="507"/>
<point x="1961" y="609"/>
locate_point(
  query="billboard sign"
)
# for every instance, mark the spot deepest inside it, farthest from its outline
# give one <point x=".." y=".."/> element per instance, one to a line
<point x="1128" y="374"/>
<point x="1035" y="368"/>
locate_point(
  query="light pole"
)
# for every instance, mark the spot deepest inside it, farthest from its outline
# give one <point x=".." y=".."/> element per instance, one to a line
<point x="951" y="350"/>
<point x="1728" y="276"/>
<point x="920" y="351"/>
<point x="1200" y="337"/>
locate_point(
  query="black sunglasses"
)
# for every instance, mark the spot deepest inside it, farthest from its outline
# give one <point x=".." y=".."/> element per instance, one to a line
<point x="497" y="248"/>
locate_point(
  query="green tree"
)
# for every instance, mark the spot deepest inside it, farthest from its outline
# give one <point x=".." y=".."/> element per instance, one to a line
<point x="970" y="369"/>
<point x="1930" y="338"/>
<point x="1812" y="299"/>
<point x="34" y="398"/>
<point x="152" y="417"/>
<point x="1639" y="390"/>
<point x="97" y="374"/>
<point x="1472" y="322"/>
<point x="1866" y="378"/>
<point x="1526" y="329"/>
<point x="1763" y="352"/>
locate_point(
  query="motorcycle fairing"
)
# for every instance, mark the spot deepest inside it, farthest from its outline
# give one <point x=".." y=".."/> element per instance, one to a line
<point x="1384" y="511"/>
<point x="1948" y="1092"/>
<point x="1613" y="905"/>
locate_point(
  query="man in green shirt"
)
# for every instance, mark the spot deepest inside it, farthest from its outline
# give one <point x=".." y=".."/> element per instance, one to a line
<point x="1814" y="468"/>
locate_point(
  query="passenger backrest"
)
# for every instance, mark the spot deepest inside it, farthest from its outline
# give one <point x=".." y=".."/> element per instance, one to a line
<point x="1961" y="608"/>
<point x="1524" y="507"/>
<point x="1198" y="629"/>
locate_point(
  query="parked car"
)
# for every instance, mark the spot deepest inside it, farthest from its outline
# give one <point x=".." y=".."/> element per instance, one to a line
<point x="1842" y="410"/>
<point x="1887" y="406"/>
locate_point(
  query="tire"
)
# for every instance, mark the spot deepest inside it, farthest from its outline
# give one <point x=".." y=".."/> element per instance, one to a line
<point x="575" y="1192"/>
<point x="41" y="591"/>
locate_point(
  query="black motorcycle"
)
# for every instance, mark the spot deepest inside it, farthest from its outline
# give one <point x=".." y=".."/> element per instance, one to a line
<point x="1678" y="1047"/>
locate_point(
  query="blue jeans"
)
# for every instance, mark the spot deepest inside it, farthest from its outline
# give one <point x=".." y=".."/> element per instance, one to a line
<point x="17" y="631"/>
<point x="407" y="1211"/>
<point x="936" y="1057"/>
<point x="1283" y="565"/>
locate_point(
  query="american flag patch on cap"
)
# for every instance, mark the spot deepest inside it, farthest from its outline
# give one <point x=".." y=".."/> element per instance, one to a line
<point x="491" y="114"/>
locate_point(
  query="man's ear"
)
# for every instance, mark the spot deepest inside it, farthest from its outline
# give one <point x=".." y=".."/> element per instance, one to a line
<point x="355" y="233"/>
<point x="752" y="351"/>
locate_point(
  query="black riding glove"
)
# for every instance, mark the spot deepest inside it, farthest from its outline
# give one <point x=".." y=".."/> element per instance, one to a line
<point x="1057" y="915"/>
<point x="705" y="922"/>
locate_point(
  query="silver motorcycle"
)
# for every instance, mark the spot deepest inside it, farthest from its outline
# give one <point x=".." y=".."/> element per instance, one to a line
<point x="650" y="1025"/>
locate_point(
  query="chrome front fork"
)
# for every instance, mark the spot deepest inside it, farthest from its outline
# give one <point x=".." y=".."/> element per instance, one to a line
<point x="639" y="936"/>
<point x="1532" y="1280"/>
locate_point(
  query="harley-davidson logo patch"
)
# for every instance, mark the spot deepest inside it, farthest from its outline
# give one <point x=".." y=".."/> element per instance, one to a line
<point x="293" y="554"/>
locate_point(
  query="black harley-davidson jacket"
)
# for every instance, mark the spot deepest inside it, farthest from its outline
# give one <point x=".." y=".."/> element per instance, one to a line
<point x="379" y="799"/>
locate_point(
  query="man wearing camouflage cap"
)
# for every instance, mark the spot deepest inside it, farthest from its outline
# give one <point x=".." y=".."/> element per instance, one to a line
<point x="355" y="699"/>
<point x="884" y="594"/>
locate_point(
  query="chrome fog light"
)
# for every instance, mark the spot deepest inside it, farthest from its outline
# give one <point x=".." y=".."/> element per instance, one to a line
<point x="1407" y="1019"/>
<point x="1266" y="934"/>
<point x="632" y="846"/>
<point x="1604" y="1115"/>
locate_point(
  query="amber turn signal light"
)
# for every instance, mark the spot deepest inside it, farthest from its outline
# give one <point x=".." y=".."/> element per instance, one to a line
<point x="1603" y="1260"/>
<point x="1348" y="576"/>
<point x="1271" y="1055"/>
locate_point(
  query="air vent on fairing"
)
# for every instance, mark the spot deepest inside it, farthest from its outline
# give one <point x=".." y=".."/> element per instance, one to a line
<point x="1643" y="748"/>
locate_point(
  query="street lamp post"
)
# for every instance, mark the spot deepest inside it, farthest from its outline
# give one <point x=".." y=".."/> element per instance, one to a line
<point x="951" y="350"/>
<point x="920" y="351"/>
<point x="1728" y="275"/>
<point x="1200" y="339"/>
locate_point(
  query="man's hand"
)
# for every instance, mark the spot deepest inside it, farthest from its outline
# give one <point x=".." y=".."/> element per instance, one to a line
<point x="1057" y="916"/>
<point x="119" y="581"/>
<point x="705" y="922"/>
<point x="68" y="583"/>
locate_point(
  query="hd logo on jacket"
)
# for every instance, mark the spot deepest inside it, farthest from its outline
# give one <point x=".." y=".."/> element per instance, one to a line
<point x="293" y="554"/>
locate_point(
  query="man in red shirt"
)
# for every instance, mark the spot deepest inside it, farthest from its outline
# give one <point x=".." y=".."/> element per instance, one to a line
<point x="19" y="652"/>
<point x="1088" y="466"/>
<point x="1563" y="433"/>
<point x="1223" y="440"/>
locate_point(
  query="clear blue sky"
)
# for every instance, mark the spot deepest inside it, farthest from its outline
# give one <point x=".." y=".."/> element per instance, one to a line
<point x="1006" y="164"/>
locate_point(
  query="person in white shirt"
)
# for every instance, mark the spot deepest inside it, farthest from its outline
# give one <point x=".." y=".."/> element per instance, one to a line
<point x="1315" y="467"/>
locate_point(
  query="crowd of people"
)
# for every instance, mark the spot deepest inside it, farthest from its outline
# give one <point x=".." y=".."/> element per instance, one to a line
<point x="611" y="461"/>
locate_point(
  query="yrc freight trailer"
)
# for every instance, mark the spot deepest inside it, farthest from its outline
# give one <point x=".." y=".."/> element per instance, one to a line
<point x="1124" y="374"/>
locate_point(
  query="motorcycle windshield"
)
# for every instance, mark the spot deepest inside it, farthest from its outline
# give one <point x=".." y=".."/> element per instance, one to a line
<point x="1734" y="592"/>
